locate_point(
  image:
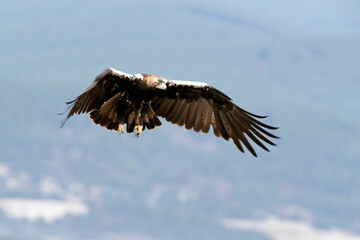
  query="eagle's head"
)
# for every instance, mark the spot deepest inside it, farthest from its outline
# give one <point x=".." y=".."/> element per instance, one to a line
<point x="161" y="84"/>
<point x="152" y="81"/>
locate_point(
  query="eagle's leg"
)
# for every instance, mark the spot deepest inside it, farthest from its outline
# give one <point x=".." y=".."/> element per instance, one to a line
<point x="121" y="128"/>
<point x="139" y="122"/>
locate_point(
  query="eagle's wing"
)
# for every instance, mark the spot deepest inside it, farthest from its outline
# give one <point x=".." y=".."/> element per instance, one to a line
<point x="198" y="105"/>
<point x="105" y="86"/>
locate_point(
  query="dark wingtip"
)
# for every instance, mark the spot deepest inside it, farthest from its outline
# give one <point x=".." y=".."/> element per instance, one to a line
<point x="71" y="102"/>
<point x="63" y="122"/>
<point x="274" y="136"/>
<point x="252" y="114"/>
<point x="68" y="108"/>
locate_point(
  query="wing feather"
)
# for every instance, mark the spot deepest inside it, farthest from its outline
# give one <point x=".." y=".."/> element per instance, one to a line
<point x="220" y="123"/>
<point x="166" y="106"/>
<point x="174" y="110"/>
<point x="156" y="102"/>
<point x="206" y="116"/>
<point x="259" y="135"/>
<point x="178" y="111"/>
<point x="183" y="114"/>
<point x="263" y="131"/>
<point x="169" y="107"/>
<point x="213" y="124"/>
<point x="159" y="105"/>
<point x="190" y="115"/>
<point x="238" y="144"/>
<point x="198" y="121"/>
<point x="256" y="140"/>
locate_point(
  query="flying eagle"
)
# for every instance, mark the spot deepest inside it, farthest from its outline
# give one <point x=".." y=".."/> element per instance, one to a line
<point x="116" y="98"/>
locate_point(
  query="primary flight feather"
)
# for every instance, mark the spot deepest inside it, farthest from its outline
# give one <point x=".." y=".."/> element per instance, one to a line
<point x="116" y="98"/>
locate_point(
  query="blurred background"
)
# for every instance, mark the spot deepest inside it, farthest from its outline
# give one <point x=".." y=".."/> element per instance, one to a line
<point x="295" y="61"/>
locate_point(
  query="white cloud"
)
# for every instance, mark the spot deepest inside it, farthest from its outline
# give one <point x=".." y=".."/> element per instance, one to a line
<point x="41" y="209"/>
<point x="281" y="229"/>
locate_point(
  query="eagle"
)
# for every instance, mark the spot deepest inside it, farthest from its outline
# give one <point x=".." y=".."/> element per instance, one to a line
<point x="115" y="99"/>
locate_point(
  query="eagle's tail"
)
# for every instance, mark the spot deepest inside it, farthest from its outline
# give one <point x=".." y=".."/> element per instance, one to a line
<point x="140" y="119"/>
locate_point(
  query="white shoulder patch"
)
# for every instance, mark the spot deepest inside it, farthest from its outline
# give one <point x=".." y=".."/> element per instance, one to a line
<point x="104" y="73"/>
<point x="187" y="83"/>
<point x="114" y="72"/>
<point x="138" y="75"/>
<point x="118" y="73"/>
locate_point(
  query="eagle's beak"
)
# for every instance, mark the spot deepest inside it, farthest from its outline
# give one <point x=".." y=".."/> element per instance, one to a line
<point x="161" y="86"/>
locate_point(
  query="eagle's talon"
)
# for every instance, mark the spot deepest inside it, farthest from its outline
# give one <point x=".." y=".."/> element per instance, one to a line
<point x="139" y="130"/>
<point x="121" y="128"/>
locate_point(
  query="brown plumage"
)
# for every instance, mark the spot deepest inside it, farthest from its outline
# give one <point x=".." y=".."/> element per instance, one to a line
<point x="116" y="98"/>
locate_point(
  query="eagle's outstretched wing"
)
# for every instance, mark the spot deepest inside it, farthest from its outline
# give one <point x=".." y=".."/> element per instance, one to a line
<point x="198" y="105"/>
<point x="106" y="85"/>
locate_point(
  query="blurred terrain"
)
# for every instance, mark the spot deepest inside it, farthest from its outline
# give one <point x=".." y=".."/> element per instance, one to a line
<point x="296" y="62"/>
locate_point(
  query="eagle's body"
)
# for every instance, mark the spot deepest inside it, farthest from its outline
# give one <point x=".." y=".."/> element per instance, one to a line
<point x="116" y="98"/>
